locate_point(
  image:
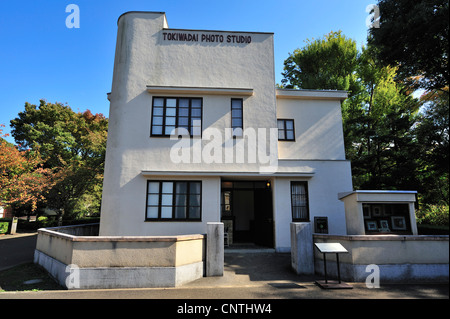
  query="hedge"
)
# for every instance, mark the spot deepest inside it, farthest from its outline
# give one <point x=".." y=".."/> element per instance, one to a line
<point x="4" y="227"/>
<point x="45" y="222"/>
<point x="436" y="215"/>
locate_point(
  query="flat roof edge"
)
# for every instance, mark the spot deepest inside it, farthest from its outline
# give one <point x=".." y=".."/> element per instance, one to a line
<point x="127" y="12"/>
<point x="308" y="94"/>
<point x="199" y="90"/>
<point x="345" y="194"/>
<point x="223" y="31"/>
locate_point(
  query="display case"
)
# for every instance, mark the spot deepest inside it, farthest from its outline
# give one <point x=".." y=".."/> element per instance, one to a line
<point x="380" y="212"/>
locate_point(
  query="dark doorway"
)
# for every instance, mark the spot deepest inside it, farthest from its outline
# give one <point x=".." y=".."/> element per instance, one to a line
<point x="247" y="212"/>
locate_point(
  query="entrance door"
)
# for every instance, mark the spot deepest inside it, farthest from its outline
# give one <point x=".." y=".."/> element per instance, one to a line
<point x="263" y="229"/>
<point x="247" y="205"/>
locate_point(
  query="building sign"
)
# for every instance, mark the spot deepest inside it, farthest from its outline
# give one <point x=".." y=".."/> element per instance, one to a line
<point x="206" y="37"/>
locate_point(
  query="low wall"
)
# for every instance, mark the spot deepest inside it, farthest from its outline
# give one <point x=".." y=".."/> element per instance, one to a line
<point x="89" y="261"/>
<point x="400" y="258"/>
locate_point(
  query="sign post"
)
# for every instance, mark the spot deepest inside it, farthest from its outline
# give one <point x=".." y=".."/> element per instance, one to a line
<point x="336" y="248"/>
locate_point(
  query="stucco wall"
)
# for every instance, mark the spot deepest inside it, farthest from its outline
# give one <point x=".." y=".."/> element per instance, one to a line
<point x="114" y="251"/>
<point x="318" y="129"/>
<point x="399" y="257"/>
<point x="328" y="178"/>
<point x="129" y="218"/>
<point x="56" y="247"/>
<point x="83" y="262"/>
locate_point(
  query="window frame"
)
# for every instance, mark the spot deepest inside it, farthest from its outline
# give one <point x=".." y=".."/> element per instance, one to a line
<point x="307" y="219"/>
<point x="285" y="139"/>
<point x="177" y="115"/>
<point x="173" y="205"/>
<point x="241" y="117"/>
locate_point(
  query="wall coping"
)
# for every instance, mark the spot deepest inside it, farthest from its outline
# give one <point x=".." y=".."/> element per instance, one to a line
<point x="176" y="238"/>
<point x="383" y="237"/>
<point x="199" y="90"/>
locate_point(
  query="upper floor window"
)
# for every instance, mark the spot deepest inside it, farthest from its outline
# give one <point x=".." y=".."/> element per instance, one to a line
<point x="169" y="113"/>
<point x="286" y="130"/>
<point x="237" y="116"/>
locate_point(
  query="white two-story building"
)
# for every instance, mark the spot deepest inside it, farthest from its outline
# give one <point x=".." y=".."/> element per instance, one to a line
<point x="198" y="132"/>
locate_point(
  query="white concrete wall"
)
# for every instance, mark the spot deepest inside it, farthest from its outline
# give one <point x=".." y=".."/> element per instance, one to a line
<point x="318" y="129"/>
<point x="329" y="177"/>
<point x="354" y="216"/>
<point x="400" y="258"/>
<point x="129" y="219"/>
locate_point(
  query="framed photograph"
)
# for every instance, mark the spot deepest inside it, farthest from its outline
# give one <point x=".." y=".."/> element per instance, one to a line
<point x="371" y="225"/>
<point x="398" y="223"/>
<point x="376" y="211"/>
<point x="366" y="211"/>
<point x="384" y="225"/>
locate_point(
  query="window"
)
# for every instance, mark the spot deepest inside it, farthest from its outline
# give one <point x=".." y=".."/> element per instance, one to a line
<point x="286" y="130"/>
<point x="169" y="113"/>
<point x="299" y="201"/>
<point x="237" y="116"/>
<point x="174" y="200"/>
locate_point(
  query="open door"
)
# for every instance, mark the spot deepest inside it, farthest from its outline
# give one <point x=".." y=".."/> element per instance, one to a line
<point x="263" y="228"/>
<point x="247" y="212"/>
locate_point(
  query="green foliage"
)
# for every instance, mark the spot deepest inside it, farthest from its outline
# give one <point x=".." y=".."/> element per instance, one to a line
<point x="377" y="128"/>
<point x="52" y="221"/>
<point x="326" y="63"/>
<point x="4" y="227"/>
<point x="73" y="142"/>
<point x="432" y="132"/>
<point x="436" y="215"/>
<point x="414" y="36"/>
<point x="60" y="134"/>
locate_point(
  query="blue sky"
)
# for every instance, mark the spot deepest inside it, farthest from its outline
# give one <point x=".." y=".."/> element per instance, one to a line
<point x="40" y="58"/>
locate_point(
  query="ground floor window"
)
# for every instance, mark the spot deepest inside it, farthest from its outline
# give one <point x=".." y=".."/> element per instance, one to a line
<point x="173" y="200"/>
<point x="299" y="201"/>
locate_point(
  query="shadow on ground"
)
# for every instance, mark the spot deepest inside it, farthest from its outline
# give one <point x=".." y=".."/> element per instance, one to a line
<point x="27" y="277"/>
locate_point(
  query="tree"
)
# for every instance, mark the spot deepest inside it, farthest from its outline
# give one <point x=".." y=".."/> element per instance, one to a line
<point x="432" y="133"/>
<point x="23" y="180"/>
<point x="326" y="63"/>
<point x="76" y="142"/>
<point x="377" y="116"/>
<point x="377" y="129"/>
<point x="413" y="35"/>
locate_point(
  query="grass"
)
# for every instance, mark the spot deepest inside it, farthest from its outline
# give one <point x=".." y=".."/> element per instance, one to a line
<point x="13" y="279"/>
